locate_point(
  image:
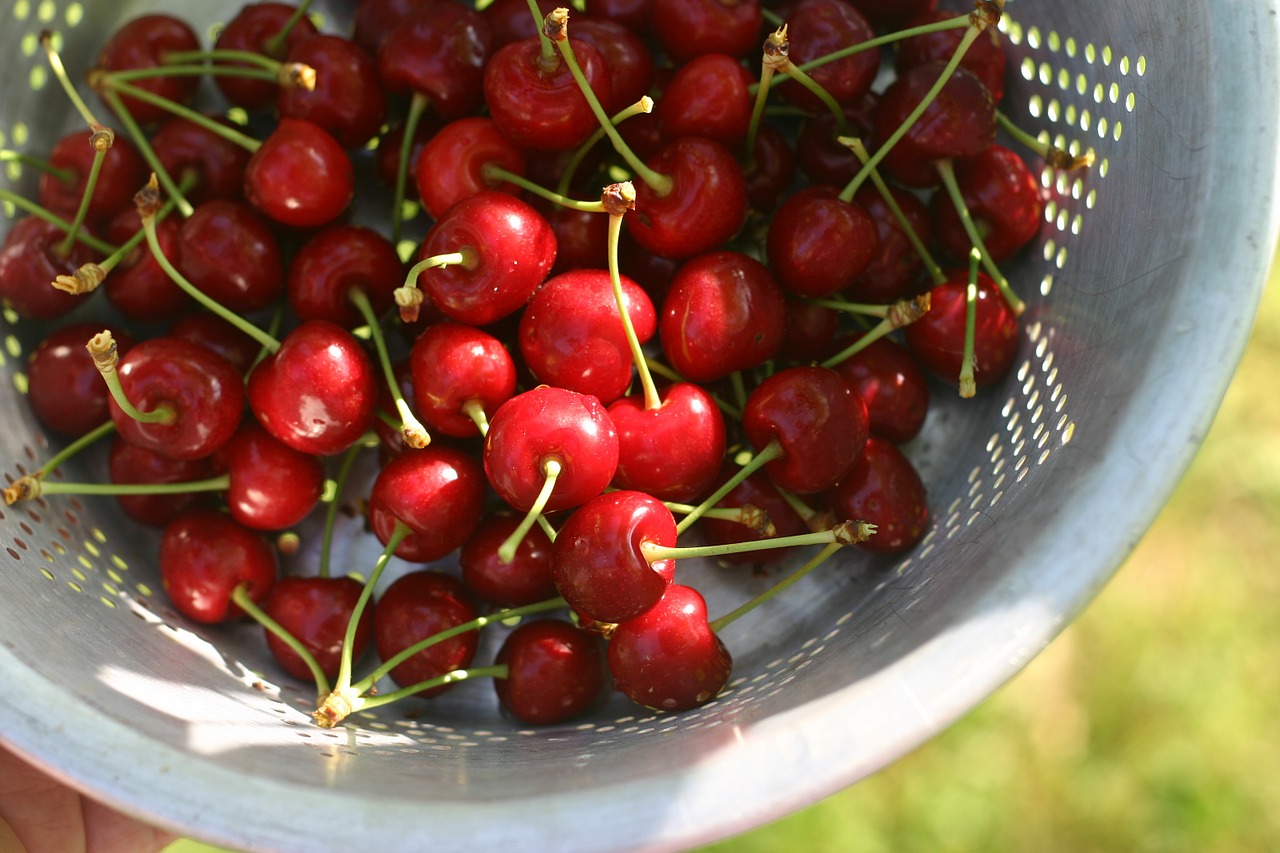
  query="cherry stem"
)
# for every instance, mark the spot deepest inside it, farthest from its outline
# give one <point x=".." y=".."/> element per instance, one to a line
<point x="106" y="357"/>
<point x="844" y="533"/>
<point x="718" y="625"/>
<point x="771" y="451"/>
<point x="948" y="174"/>
<point x="496" y="174"/>
<point x="213" y="484"/>
<point x="30" y="485"/>
<point x="331" y="513"/>
<point x="618" y="199"/>
<point x="411" y="429"/>
<point x="1051" y="154"/>
<point x="494" y="671"/>
<point x="409" y="297"/>
<point x="547" y="61"/>
<point x="551" y="469"/>
<point x="115" y="258"/>
<point x="952" y="64"/>
<point x="60" y="72"/>
<point x="108" y="82"/>
<point x="240" y="595"/>
<point x="667" y="373"/>
<point x="474" y="410"/>
<point x="771" y="17"/>
<point x="748" y="515"/>
<point x="281" y="72"/>
<point x="775" y="45"/>
<point x="91" y="437"/>
<point x="644" y="106"/>
<point x="148" y="201"/>
<point x="143" y="145"/>
<point x="191" y="57"/>
<point x="547" y="528"/>
<point x="901" y="313"/>
<point x="28" y="206"/>
<point x="656" y="181"/>
<point x="417" y="106"/>
<point x="66" y="176"/>
<point x="275" y="46"/>
<point x="398" y="535"/>
<point x="860" y="151"/>
<point x="968" y="361"/>
<point x="812" y="518"/>
<point x="819" y="92"/>
<point x="101" y="141"/>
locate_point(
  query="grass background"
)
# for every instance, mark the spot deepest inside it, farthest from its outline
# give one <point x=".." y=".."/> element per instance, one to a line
<point x="1149" y="724"/>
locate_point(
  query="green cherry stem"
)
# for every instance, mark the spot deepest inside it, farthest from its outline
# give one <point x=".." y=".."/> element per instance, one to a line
<point x="773" y="50"/>
<point x="899" y="314"/>
<point x="29" y="486"/>
<point x="103" y="81"/>
<point x="749" y="516"/>
<point x="718" y="625"/>
<point x="143" y="144"/>
<point x="411" y="429"/>
<point x="59" y="487"/>
<point x="363" y="703"/>
<point x="240" y="595"/>
<point x="26" y="205"/>
<point x="65" y="176"/>
<point x="101" y="141"/>
<point x="60" y="72"/>
<point x="417" y="106"/>
<point x="106" y="357"/>
<point x="495" y="173"/>
<point x="844" y="533"/>
<point x="551" y="470"/>
<point x="275" y="46"/>
<point x="617" y="199"/>
<point x="290" y="75"/>
<point x="968" y="361"/>
<point x="547" y="61"/>
<point x="1051" y="154"/>
<point x="398" y="535"/>
<point x="644" y="106"/>
<point x="771" y="451"/>
<point x="474" y="410"/>
<point x="331" y="513"/>
<point x="409" y="297"/>
<point x="948" y="174"/>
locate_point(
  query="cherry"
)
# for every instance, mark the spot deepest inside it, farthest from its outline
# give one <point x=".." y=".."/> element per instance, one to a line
<point x="217" y="164"/>
<point x="333" y="262"/>
<point x="387" y="156"/>
<point x="626" y="55"/>
<point x="571" y="334"/>
<point x="724" y="312"/>
<point x="672" y="452"/>
<point x="30" y="261"/>
<point x="510" y="250"/>
<point x="818" y="242"/>
<point x="138" y="287"/>
<point x="129" y="464"/>
<point x="597" y="561"/>
<point x="811" y="331"/>
<point x="1004" y="199"/>
<point x="689" y="28"/>
<point x="215" y="334"/>
<point x="317" y="392"/>
<point x="439" y="50"/>
<point x="890" y="381"/>
<point x="316" y="612"/>
<point x="451" y="164"/>
<point x="461" y="375"/>
<point x="772" y="169"/>
<point x="143" y="42"/>
<point x="524" y="579"/>
<point x="374" y="20"/>
<point x="555" y="672"/>
<point x="64" y="388"/>
<point x="894" y="271"/>
<point x="820" y="153"/>
<point x="550" y="425"/>
<point x="883" y="488"/>
<point x="813" y="415"/>
<point x="348" y="100"/>
<point x="635" y="15"/>
<point x="892" y="14"/>
<point x="256" y="28"/>
<point x="201" y="393"/>
<point x="511" y="20"/>
<point x="300" y="176"/>
<point x="819" y="27"/>
<point x="937" y="338"/>
<point x="204" y="556"/>
<point x="122" y="171"/>
<point x="228" y="251"/>
<point x="272" y="486"/>
<point x="418" y="605"/>
<point x="758" y="491"/>
<point x="707" y="96"/>
<point x="668" y="658"/>
<point x="985" y="57"/>
<point x="581" y="237"/>
<point x="437" y="492"/>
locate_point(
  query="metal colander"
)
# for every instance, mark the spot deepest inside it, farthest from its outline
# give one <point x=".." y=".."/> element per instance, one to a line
<point x="1141" y="290"/>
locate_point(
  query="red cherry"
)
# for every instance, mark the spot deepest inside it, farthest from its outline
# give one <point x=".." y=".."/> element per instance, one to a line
<point x="348" y="99"/>
<point x="317" y="392"/>
<point x="689" y="28"/>
<point x="438" y="49"/>
<point x="811" y="332"/>
<point x="228" y="251"/>
<point x="139" y="287"/>
<point x="894" y="271"/>
<point x="818" y="148"/>
<point x="142" y="43"/>
<point x="438" y="492"/>
<point x="251" y="29"/>
<point x="818" y="242"/>
<point x="272" y="485"/>
<point x="29" y="263"/>
<point x="937" y="338"/>
<point x="387" y="155"/>
<point x="818" y="27"/>
<point x="130" y="464"/>
<point x="756" y="490"/>
<point x="672" y="452"/>
<point x="892" y="14"/>
<point x="626" y="55"/>
<point x="773" y="169"/>
<point x="335" y="261"/>
<point x="597" y="561"/>
<point x="122" y="171"/>
<point x="316" y="612"/>
<point x="218" y="335"/>
<point x="555" y="672"/>
<point x="985" y="56"/>
<point x="301" y="176"/>
<point x="451" y="164"/>
<point x="668" y="658"/>
<point x="415" y="607"/>
<point x="204" y="556"/>
<point x="182" y="146"/>
<point x="525" y="579"/>
<point x="374" y="20"/>
<point x="455" y="365"/>
<point x="891" y="382"/>
<point x="635" y="15"/>
<point x="64" y="388"/>
<point x="1004" y="199"/>
<point x="708" y="96"/>
<point x="511" y="20"/>
<point x="884" y="489"/>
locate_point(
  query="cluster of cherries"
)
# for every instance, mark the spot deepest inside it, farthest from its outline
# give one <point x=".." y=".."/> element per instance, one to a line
<point x="758" y="267"/>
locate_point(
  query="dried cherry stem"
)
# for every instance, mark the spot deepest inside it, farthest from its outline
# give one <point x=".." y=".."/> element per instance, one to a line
<point x="718" y="625"/>
<point x="148" y="202"/>
<point x="275" y="46"/>
<point x="106" y="357"/>
<point x="948" y="174"/>
<point x="901" y="313"/>
<point x="28" y="206"/>
<point x="143" y="144"/>
<point x="331" y="513"/>
<point x="844" y="533"/>
<point x="1051" y="154"/>
<point x="968" y="361"/>
<point x="417" y="106"/>
<point x="411" y="429"/>
<point x="60" y="72"/>
<point x="556" y="27"/>
<point x="494" y="172"/>
<point x="644" y="106"/>
<point x="551" y="470"/>
<point x="860" y="151"/>
<point x="771" y="451"/>
<point x="617" y="199"/>
<point x="240" y="595"/>
<point x="409" y="297"/>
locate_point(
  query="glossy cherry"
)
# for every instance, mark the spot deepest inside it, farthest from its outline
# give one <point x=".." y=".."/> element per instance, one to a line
<point x="894" y="271"/>
<point x="301" y="176"/>
<point x="451" y="164"/>
<point x="891" y="382"/>
<point x="218" y="335"/>
<point x="335" y="261"/>
<point x="818" y="242"/>
<point x="525" y="579"/>
<point x="985" y="57"/>
<point x="937" y="338"/>
<point x="272" y="485"/>
<point x="122" y="171"/>
<point x="708" y="96"/>
<point x="1004" y="199"/>
<point x="892" y="14"/>
<point x="30" y="260"/>
<point x="535" y="100"/>
<point x="811" y="332"/>
<point x="674" y="451"/>
<point x="374" y="20"/>
<point x="254" y="29"/>
<point x="511" y="20"/>
<point x="204" y="556"/>
<point x="772" y="169"/>
<point x="128" y="464"/>
<point x="316" y="612"/>
<point x="348" y="99"/>
<point x="418" y="605"/>
<point x="64" y="388"/>
<point x="758" y="491"/>
<point x="455" y="367"/>
<point x="555" y="672"/>
<point x="228" y="250"/>
<point x="626" y="55"/>
<point x="184" y="147"/>
<point x="884" y="488"/>
<point x="819" y="151"/>
<point x="689" y="28"/>
<point x="819" y="27"/>
<point x="438" y="492"/>
<point x="138" y="287"/>
<point x="438" y="50"/>
<point x="142" y="42"/>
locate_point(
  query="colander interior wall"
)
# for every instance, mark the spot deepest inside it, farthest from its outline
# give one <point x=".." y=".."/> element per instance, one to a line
<point x="1141" y="289"/>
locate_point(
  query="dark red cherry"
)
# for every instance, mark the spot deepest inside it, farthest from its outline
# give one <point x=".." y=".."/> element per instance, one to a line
<point x="525" y="579"/>
<point x="204" y="392"/>
<point x="756" y="490"/>
<point x="228" y="250"/>
<point x="511" y="20"/>
<point x="1004" y="199"/>
<point x="142" y="42"/>
<point x="817" y="419"/>
<point x="772" y="170"/>
<point x="138" y="286"/>
<point x="937" y="338"/>
<point x="316" y="612"/>
<point x="438" y="492"/>
<point x="301" y="176"/>
<point x="632" y="14"/>
<point x="374" y="20"/>
<point x="668" y="658"/>
<point x="454" y="366"/>
<point x="415" y="607"/>
<point x="892" y="14"/>
<point x="891" y="382"/>
<point x="818" y="242"/>
<point x="348" y="100"/>
<point x="985" y="56"/>
<point x="689" y="28"/>
<point x="183" y="147"/>
<point x="64" y="388"/>
<point x="819" y="151"/>
<point x="811" y="332"/>
<point x="439" y="50"/>
<point x="334" y="262"/>
<point x="130" y="464"/>
<point x="272" y="486"/>
<point x="29" y="263"/>
<point x="555" y="672"/>
<point x="883" y="488"/>
<point x="597" y="559"/>
<point x="582" y="237"/>
<point x="626" y="55"/>
<point x="674" y="451"/>
<point x="894" y="272"/>
<point x="252" y="29"/>
<point x="535" y="101"/>
<point x="218" y="335"/>
<point x="724" y="312"/>
<point x="708" y="96"/>
<point x="122" y="172"/>
<point x="204" y="556"/>
<point x="818" y="27"/>
<point x="317" y="392"/>
<point x="387" y="155"/>
<point x="451" y="164"/>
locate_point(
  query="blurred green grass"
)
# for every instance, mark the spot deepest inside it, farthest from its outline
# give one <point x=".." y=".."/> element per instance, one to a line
<point x="1149" y="724"/>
